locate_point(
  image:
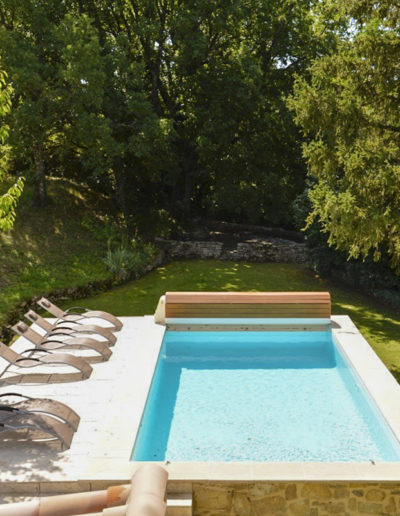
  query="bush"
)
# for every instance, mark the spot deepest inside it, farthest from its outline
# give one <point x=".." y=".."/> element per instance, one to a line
<point x="375" y="278"/>
<point x="129" y="260"/>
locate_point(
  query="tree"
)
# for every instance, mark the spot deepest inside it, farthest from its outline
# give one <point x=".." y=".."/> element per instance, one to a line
<point x="175" y="107"/>
<point x="78" y="105"/>
<point x="9" y="199"/>
<point x="52" y="57"/>
<point x="211" y="77"/>
<point x="26" y="43"/>
<point x="349" y="110"/>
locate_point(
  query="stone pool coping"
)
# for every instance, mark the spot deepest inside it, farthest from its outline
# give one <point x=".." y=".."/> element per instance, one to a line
<point x="376" y="378"/>
<point x="111" y="403"/>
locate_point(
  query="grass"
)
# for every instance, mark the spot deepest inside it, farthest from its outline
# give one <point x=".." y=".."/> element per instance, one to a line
<point x="59" y="246"/>
<point x="378" y="325"/>
<point x="64" y="244"/>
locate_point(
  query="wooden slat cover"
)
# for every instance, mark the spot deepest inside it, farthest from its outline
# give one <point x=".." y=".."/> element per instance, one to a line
<point x="248" y="304"/>
<point x="246" y="297"/>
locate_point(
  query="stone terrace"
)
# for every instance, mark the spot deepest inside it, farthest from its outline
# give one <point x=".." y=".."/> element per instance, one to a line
<point x="111" y="391"/>
<point x="110" y="404"/>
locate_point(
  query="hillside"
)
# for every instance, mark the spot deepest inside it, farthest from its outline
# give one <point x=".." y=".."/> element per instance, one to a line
<point x="60" y="246"/>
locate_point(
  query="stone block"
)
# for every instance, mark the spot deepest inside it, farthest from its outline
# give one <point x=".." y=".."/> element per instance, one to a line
<point x="300" y="508"/>
<point x="335" y="508"/>
<point x="212" y="499"/>
<point x="369" y="508"/>
<point x="202" y="512"/>
<point x="291" y="492"/>
<point x="375" y="495"/>
<point x="258" y="490"/>
<point x="268" y="505"/>
<point x="391" y="506"/>
<point x="352" y="504"/>
<point x="318" y="491"/>
<point x="241" y="505"/>
<point x="340" y="492"/>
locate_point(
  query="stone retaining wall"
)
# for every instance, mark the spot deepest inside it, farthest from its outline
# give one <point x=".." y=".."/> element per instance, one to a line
<point x="252" y="250"/>
<point x="296" y="499"/>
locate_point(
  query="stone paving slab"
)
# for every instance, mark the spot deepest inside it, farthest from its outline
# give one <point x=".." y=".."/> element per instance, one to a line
<point x="39" y="467"/>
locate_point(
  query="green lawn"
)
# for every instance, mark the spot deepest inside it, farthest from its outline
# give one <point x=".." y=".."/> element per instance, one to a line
<point x="380" y="326"/>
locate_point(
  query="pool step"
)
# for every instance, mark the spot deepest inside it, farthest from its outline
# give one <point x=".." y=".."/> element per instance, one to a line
<point x="179" y="504"/>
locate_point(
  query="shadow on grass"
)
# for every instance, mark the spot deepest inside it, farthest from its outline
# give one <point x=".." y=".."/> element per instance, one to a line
<point x="378" y="325"/>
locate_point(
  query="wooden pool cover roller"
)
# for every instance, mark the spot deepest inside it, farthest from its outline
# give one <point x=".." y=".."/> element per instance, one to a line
<point x="145" y="496"/>
<point x="246" y="305"/>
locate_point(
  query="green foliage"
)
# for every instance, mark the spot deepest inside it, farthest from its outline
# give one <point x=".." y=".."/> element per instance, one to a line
<point x="52" y="59"/>
<point x="366" y="275"/>
<point x="177" y="108"/>
<point x="9" y="199"/>
<point x="128" y="260"/>
<point x="349" y="110"/>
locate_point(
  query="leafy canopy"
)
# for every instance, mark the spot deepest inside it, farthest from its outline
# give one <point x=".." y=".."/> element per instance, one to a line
<point x="9" y="199"/>
<point x="175" y="107"/>
<point x="349" y="110"/>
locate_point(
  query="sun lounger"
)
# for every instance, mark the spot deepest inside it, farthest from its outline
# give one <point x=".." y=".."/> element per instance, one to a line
<point x="45" y="406"/>
<point x="77" y="313"/>
<point x="73" y="328"/>
<point x="40" y="427"/>
<point x="56" y="342"/>
<point x="22" y="363"/>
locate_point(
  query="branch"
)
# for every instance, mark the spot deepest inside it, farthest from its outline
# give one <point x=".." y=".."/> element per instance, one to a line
<point x="387" y="127"/>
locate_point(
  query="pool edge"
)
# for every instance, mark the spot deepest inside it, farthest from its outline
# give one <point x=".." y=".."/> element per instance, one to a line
<point x="117" y="466"/>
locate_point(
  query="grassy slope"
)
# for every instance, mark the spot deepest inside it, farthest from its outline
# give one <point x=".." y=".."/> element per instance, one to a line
<point x="380" y="327"/>
<point x="53" y="247"/>
<point x="63" y="246"/>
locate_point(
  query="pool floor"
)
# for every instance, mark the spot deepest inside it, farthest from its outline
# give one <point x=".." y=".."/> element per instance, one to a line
<point x="259" y="396"/>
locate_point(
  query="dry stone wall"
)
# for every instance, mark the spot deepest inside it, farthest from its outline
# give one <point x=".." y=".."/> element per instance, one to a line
<point x="296" y="499"/>
<point x="252" y="250"/>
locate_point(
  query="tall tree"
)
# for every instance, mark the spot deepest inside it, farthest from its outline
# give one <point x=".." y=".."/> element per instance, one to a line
<point x="53" y="59"/>
<point x="349" y="110"/>
<point x="26" y="43"/>
<point x="177" y="106"/>
<point x="212" y="77"/>
<point x="8" y="199"/>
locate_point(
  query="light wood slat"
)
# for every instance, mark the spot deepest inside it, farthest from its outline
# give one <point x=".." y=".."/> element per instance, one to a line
<point x="224" y="308"/>
<point x="202" y="293"/>
<point x="255" y="313"/>
<point x="249" y="313"/>
<point x="246" y="297"/>
<point x="211" y="294"/>
<point x="247" y="306"/>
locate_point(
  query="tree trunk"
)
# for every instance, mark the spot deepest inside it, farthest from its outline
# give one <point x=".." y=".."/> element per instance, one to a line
<point x="188" y="166"/>
<point x="40" y="197"/>
<point x="187" y="200"/>
<point x="120" y="193"/>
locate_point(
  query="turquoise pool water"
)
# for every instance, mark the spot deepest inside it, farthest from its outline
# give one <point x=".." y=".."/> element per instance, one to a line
<point x="259" y="396"/>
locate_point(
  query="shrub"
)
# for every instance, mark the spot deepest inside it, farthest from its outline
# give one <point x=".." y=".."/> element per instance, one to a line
<point x="128" y="260"/>
<point x="377" y="278"/>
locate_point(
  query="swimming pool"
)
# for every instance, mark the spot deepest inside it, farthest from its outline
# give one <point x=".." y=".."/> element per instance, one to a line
<point x="259" y="396"/>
